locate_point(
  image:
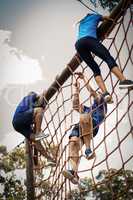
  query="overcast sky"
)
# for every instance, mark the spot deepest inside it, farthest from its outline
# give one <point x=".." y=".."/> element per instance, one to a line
<point x="36" y="42"/>
<point x="41" y="30"/>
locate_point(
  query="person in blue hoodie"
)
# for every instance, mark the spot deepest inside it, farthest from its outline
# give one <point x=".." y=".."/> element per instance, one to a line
<point x="88" y="43"/>
<point x="27" y="120"/>
<point x="87" y="128"/>
<point x="28" y="116"/>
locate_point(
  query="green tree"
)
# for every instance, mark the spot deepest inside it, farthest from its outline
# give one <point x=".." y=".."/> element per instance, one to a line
<point x="105" y="4"/>
<point x="13" y="188"/>
<point x="116" y="183"/>
<point x="111" y="184"/>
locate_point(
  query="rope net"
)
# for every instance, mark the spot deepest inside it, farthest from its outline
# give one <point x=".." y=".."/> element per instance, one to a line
<point x="112" y="144"/>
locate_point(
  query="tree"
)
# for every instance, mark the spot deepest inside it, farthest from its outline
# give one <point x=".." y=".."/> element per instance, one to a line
<point x="105" y="4"/>
<point x="121" y="184"/>
<point x="111" y="184"/>
<point x="13" y="188"/>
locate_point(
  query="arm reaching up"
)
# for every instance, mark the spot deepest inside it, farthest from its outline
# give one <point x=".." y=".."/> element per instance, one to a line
<point x="89" y="88"/>
<point x="76" y="102"/>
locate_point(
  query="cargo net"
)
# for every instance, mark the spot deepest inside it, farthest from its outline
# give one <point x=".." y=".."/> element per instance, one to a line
<point x="113" y="143"/>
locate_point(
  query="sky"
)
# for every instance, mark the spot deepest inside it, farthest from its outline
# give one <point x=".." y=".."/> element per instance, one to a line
<point x="40" y="25"/>
<point x="36" y="42"/>
<point x="38" y="28"/>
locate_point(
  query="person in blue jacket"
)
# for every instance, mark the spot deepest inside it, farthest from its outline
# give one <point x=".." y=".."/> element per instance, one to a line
<point x="87" y="128"/>
<point x="88" y="43"/>
<point x="27" y="120"/>
<point x="29" y="114"/>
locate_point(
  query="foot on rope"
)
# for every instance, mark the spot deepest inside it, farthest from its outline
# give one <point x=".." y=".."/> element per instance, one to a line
<point x="41" y="135"/>
<point x="89" y="154"/>
<point x="43" y="151"/>
<point x="71" y="175"/>
<point x="82" y="185"/>
<point x="126" y="84"/>
<point x="107" y="97"/>
<point x="74" y="178"/>
<point x="50" y="163"/>
<point x="50" y="160"/>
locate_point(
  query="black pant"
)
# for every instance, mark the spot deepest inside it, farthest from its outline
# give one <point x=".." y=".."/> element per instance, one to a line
<point x="22" y="122"/>
<point x="86" y="45"/>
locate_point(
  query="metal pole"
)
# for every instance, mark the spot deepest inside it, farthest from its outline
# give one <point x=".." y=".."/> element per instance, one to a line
<point x="104" y="29"/>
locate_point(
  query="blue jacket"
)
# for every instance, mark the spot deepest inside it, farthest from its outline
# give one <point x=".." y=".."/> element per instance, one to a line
<point x="88" y="25"/>
<point x="98" y="109"/>
<point x="28" y="102"/>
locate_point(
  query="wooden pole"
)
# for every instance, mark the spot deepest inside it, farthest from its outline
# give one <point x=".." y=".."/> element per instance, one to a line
<point x="29" y="172"/>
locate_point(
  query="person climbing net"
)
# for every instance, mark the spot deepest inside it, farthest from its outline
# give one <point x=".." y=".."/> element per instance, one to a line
<point x="87" y="128"/>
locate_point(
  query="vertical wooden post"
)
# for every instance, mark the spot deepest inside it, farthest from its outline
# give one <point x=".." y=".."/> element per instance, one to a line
<point x="29" y="172"/>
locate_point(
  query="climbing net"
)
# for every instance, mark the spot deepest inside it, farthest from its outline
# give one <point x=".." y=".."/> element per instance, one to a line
<point x="113" y="143"/>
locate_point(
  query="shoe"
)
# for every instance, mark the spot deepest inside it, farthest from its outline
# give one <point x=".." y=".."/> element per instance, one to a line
<point x="126" y="84"/>
<point x="107" y="97"/>
<point x="82" y="185"/>
<point x="71" y="175"/>
<point x="50" y="163"/>
<point x="41" y="135"/>
<point x="99" y="176"/>
<point x="89" y="154"/>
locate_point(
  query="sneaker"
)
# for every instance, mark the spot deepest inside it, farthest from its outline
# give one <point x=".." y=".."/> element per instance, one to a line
<point x="71" y="175"/>
<point x="107" y="97"/>
<point x="99" y="176"/>
<point x="82" y="185"/>
<point x="126" y="84"/>
<point x="41" y="135"/>
<point x="50" y="163"/>
<point x="89" y="154"/>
